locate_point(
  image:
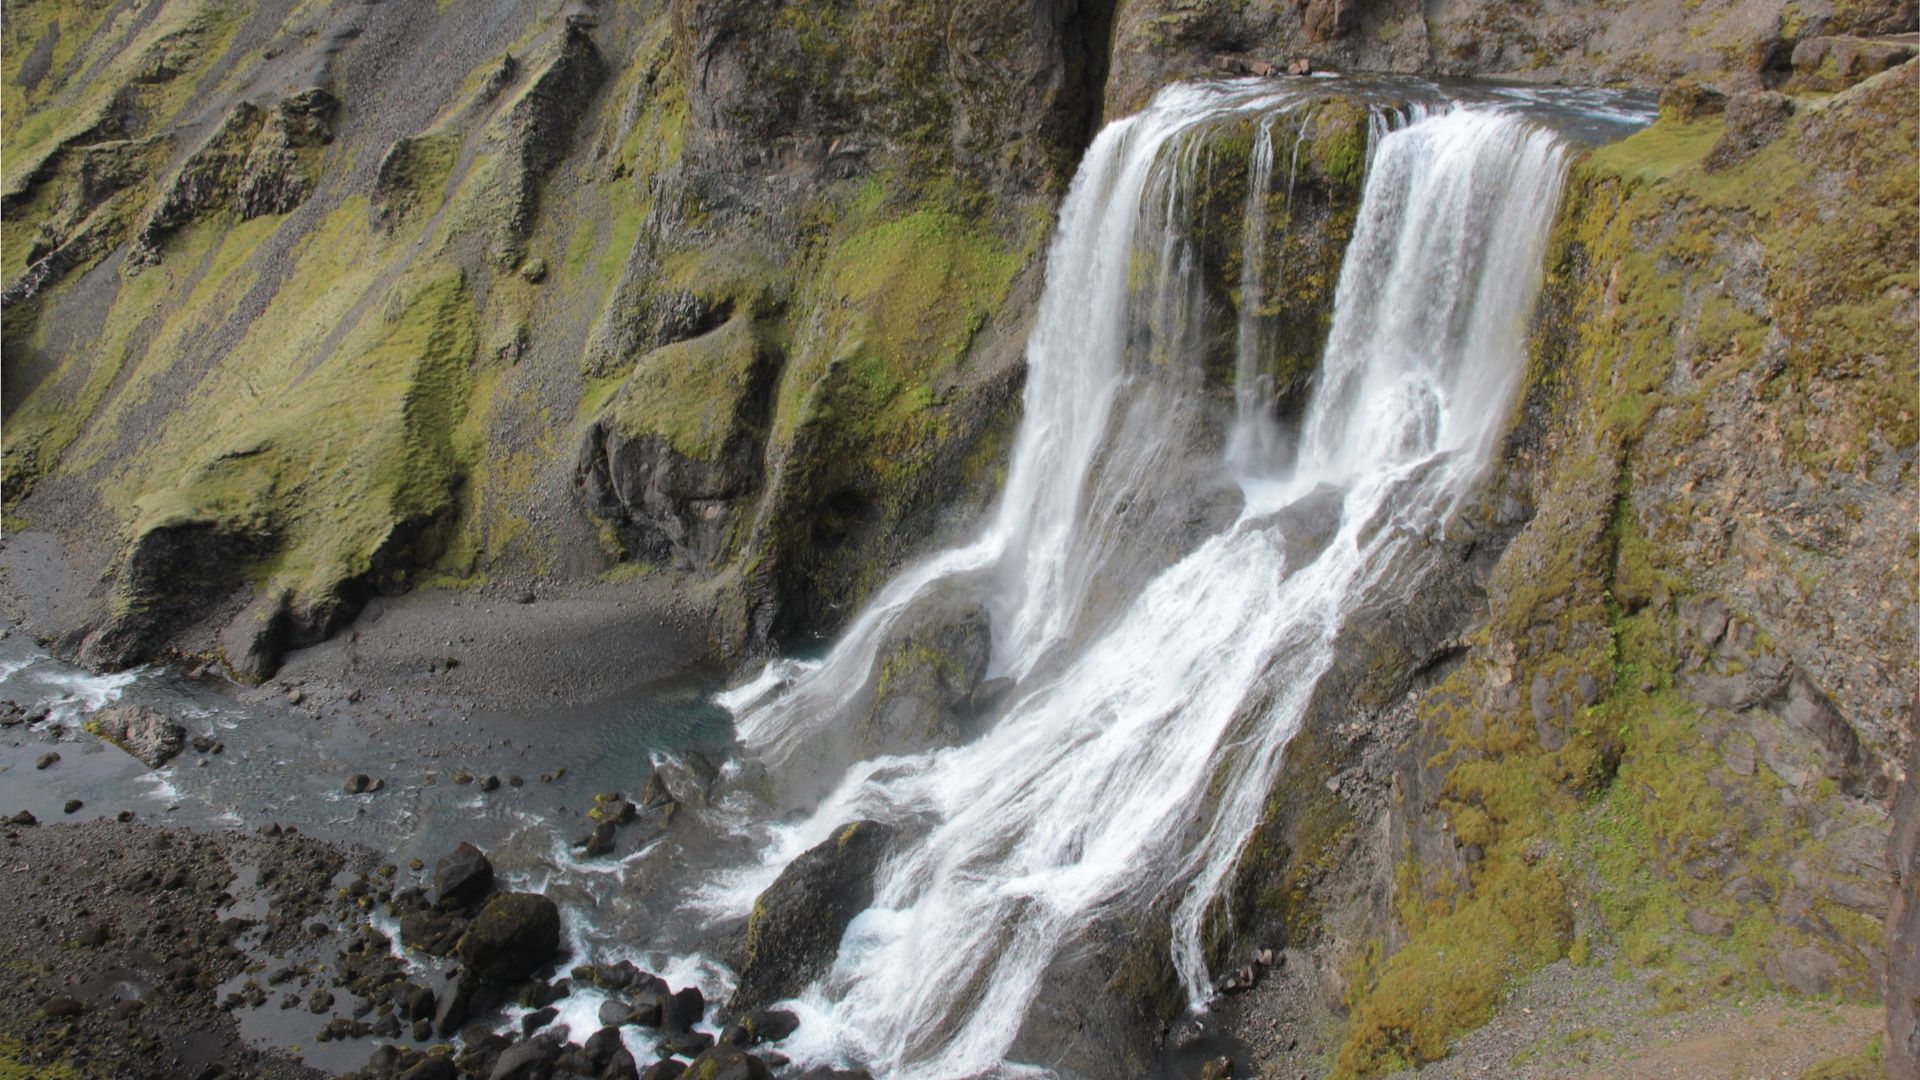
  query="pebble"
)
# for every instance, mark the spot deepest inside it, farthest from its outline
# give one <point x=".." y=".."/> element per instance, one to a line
<point x="46" y="760"/>
<point x="73" y="806"/>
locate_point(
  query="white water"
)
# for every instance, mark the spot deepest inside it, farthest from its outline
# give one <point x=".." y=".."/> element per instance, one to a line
<point x="1148" y="716"/>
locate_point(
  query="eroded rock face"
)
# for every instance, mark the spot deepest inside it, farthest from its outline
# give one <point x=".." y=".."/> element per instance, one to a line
<point x="1903" y="926"/>
<point x="146" y="733"/>
<point x="796" y="925"/>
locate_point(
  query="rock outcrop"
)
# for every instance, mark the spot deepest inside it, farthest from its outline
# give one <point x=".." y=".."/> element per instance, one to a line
<point x="797" y="923"/>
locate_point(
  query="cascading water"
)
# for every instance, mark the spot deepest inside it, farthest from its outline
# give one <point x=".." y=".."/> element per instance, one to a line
<point x="1131" y="758"/>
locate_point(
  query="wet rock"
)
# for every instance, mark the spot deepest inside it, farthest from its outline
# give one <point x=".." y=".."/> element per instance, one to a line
<point x="462" y="878"/>
<point x="599" y="842"/>
<point x="24" y="817"/>
<point x="357" y="784"/>
<point x="601" y="1044"/>
<point x="761" y="1026"/>
<point x="725" y="1062"/>
<point x="611" y="809"/>
<point x="686" y="1043"/>
<point x="455" y="1001"/>
<point x="530" y="1060"/>
<point x="621" y="1066"/>
<point x="928" y="671"/>
<point x="432" y="932"/>
<point x="46" y="760"/>
<point x="538" y="1019"/>
<point x="685" y="1008"/>
<point x="515" y="935"/>
<point x="490" y="783"/>
<point x="143" y="732"/>
<point x="417" y="1003"/>
<point x="434" y="1067"/>
<point x="615" y="1013"/>
<point x="798" y="921"/>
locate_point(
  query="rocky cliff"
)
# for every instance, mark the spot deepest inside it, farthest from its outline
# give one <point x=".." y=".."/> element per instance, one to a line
<point x="306" y="303"/>
<point x="309" y="303"/>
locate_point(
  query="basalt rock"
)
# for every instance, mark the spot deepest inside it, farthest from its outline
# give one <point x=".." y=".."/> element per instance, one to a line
<point x="925" y="677"/>
<point x="728" y="1063"/>
<point x="463" y="877"/>
<point x="515" y="935"/>
<point x="795" y="929"/>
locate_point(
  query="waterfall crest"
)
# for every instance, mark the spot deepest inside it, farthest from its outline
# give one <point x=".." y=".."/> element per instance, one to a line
<point x="1130" y="760"/>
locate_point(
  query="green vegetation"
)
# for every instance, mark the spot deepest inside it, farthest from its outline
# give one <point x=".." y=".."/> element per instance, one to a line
<point x="1637" y="817"/>
<point x="364" y="449"/>
<point x="693" y="393"/>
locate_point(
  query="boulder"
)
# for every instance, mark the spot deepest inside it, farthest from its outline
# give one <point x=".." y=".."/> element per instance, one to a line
<point x="1754" y="119"/>
<point x="927" y="674"/>
<point x="143" y="732"/>
<point x="725" y="1062"/>
<point x="797" y="923"/>
<point x="463" y="878"/>
<point x="515" y="935"/>
<point x="529" y="1060"/>
<point x="668" y="1069"/>
<point x="455" y="1001"/>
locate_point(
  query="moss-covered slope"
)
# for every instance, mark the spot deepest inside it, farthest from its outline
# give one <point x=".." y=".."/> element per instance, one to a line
<point x="305" y="302"/>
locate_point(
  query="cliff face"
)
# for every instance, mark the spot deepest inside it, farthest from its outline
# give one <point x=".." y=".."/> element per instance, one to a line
<point x="1654" y="705"/>
<point x="306" y="304"/>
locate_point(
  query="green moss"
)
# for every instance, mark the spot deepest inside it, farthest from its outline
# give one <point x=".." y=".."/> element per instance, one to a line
<point x="899" y="304"/>
<point x="354" y="454"/>
<point x="1869" y="1063"/>
<point x="16" y="1065"/>
<point x="693" y="393"/>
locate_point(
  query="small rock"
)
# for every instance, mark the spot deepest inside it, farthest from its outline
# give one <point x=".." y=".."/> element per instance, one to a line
<point x="46" y="760"/>
<point x="687" y="1043"/>
<point x="24" y="817"/>
<point x="491" y="783"/>
<point x="725" y="1062"/>
<point x="72" y="807"/>
<point x="525" y="597"/>
<point x="358" y="783"/>
<point x="65" y="1006"/>
<point x="537" y="1019"/>
<point x="1220" y="1068"/>
<point x="295" y="696"/>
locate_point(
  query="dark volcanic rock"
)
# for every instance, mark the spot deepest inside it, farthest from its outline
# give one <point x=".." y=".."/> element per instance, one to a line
<point x="463" y="877"/>
<point x="728" y="1063"/>
<point x="797" y="923"/>
<point x="515" y="935"/>
<point x="531" y="1060"/>
<point x="927" y="674"/>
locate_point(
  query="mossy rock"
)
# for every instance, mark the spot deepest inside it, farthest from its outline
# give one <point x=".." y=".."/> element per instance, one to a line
<point x="796" y="926"/>
<point x="515" y="935"/>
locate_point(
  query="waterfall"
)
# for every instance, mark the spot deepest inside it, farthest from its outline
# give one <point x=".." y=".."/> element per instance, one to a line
<point x="1147" y="716"/>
